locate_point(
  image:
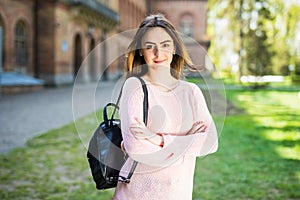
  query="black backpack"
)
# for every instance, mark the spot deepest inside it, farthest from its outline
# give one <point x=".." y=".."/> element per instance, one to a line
<point x="104" y="154"/>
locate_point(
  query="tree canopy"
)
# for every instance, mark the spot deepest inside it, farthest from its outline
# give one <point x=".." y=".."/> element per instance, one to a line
<point x="254" y="37"/>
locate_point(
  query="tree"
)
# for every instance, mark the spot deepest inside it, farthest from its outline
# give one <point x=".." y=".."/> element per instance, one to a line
<point x="285" y="28"/>
<point x="258" y="53"/>
<point x="261" y="32"/>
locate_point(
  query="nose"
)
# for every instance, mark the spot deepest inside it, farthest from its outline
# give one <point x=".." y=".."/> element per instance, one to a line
<point x="157" y="51"/>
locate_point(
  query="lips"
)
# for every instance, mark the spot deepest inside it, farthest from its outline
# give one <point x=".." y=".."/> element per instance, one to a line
<point x="159" y="61"/>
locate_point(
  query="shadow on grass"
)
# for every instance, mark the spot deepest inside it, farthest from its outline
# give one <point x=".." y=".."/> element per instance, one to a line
<point x="257" y="158"/>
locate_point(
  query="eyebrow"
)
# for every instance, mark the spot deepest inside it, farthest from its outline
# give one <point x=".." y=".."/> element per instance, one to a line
<point x="160" y="43"/>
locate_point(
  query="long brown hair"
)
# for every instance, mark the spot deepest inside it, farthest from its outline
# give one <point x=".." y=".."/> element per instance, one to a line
<point x="136" y="65"/>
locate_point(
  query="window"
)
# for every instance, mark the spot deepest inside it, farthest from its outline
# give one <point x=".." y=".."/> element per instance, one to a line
<point x="186" y="25"/>
<point x="20" y="44"/>
<point x="3" y="40"/>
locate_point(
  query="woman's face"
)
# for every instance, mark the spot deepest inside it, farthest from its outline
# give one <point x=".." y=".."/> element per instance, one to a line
<point x="157" y="47"/>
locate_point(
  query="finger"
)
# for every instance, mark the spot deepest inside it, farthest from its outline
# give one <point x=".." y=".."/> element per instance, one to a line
<point x="139" y="121"/>
<point x="197" y="127"/>
<point x="123" y="148"/>
<point x="199" y="122"/>
<point x="202" y="128"/>
<point x="140" y="136"/>
<point x="202" y="125"/>
<point x="136" y="126"/>
<point x="191" y="131"/>
<point x="137" y="130"/>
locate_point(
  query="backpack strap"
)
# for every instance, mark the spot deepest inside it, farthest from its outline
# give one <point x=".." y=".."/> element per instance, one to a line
<point x="145" y="103"/>
<point x="145" y="119"/>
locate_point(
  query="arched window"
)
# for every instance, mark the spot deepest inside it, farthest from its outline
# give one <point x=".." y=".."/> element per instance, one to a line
<point x="21" y="50"/>
<point x="3" y="40"/>
<point x="187" y="25"/>
<point x="77" y="54"/>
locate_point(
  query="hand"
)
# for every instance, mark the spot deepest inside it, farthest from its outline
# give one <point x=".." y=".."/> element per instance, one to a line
<point x="139" y="130"/>
<point x="123" y="148"/>
<point x="197" y="128"/>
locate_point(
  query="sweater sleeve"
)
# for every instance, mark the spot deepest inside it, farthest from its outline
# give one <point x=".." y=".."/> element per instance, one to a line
<point x="198" y="144"/>
<point x="131" y="107"/>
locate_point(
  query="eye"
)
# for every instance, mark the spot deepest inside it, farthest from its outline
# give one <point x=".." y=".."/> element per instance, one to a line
<point x="149" y="46"/>
<point x="166" y="45"/>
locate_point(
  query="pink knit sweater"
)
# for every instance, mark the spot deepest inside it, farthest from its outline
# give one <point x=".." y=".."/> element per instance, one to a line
<point x="164" y="173"/>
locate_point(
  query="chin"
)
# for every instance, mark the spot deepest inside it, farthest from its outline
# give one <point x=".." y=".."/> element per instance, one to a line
<point x="159" y="65"/>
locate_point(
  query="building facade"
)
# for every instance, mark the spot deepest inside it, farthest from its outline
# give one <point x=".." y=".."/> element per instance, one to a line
<point x="190" y="19"/>
<point x="49" y="39"/>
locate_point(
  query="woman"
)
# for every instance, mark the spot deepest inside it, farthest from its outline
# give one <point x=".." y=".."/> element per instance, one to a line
<point x="179" y="128"/>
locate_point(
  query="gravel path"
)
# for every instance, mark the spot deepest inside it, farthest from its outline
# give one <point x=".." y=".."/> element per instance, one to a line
<point x="26" y="115"/>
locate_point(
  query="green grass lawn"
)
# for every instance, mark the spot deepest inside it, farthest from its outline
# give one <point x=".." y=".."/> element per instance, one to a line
<point x="258" y="156"/>
<point x="259" y="151"/>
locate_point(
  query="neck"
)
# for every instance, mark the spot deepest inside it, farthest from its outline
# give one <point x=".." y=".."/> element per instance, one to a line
<point x="161" y="76"/>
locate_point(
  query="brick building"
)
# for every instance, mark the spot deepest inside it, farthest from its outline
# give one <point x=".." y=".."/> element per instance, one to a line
<point x="189" y="18"/>
<point x="49" y="39"/>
